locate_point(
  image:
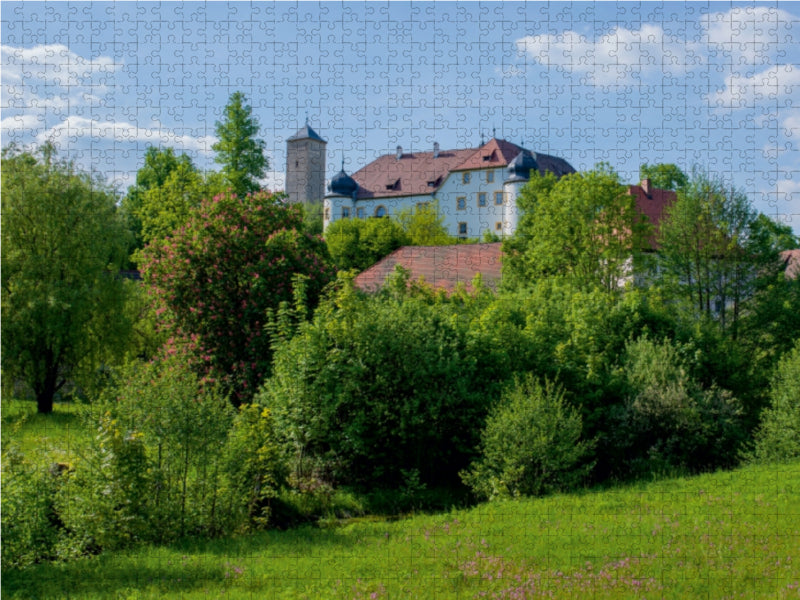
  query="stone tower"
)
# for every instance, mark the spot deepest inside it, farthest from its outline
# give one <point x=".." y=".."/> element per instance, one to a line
<point x="305" y="168"/>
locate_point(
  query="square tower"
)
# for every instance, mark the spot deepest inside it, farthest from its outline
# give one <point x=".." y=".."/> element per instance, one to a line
<point x="305" y="168"/>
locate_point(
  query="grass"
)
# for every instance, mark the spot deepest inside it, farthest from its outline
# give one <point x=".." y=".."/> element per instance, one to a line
<point x="725" y="535"/>
<point x="48" y="438"/>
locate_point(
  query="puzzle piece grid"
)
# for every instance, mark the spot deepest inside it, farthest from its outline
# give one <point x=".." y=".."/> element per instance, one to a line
<point x="626" y="84"/>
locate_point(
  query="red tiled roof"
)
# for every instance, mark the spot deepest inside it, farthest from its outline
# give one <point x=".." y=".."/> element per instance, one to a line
<point x="418" y="173"/>
<point x="792" y="260"/>
<point x="494" y="153"/>
<point x="653" y="204"/>
<point x="410" y="175"/>
<point x="441" y="266"/>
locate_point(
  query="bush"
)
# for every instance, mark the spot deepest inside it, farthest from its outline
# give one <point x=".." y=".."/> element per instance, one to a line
<point x="377" y="385"/>
<point x="218" y="276"/>
<point x="31" y="528"/>
<point x="170" y="459"/>
<point x="358" y="243"/>
<point x="531" y="444"/>
<point x="667" y="421"/>
<point x="778" y="436"/>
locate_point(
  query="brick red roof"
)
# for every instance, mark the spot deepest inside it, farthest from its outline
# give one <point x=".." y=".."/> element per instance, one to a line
<point x="652" y="203"/>
<point x="441" y="266"/>
<point x="418" y="173"/>
<point x="792" y="260"/>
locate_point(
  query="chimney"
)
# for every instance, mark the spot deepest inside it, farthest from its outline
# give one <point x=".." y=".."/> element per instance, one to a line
<point x="646" y="186"/>
<point x="435" y="149"/>
<point x="399" y="152"/>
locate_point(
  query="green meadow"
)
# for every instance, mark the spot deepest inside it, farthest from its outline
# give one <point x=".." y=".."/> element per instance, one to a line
<point x="732" y="534"/>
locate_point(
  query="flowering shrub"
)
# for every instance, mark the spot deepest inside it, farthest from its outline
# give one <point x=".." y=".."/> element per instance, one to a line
<point x="216" y="279"/>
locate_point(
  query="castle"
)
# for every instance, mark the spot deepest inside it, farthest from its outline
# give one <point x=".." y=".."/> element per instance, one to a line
<point x="475" y="188"/>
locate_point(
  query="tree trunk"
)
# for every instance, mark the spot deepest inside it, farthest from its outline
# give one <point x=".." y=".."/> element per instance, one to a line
<point x="46" y="390"/>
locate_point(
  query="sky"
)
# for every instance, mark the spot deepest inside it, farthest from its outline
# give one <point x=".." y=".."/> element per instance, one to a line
<point x="714" y="86"/>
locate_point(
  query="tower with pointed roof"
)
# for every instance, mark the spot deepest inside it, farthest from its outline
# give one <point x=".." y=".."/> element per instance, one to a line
<point x="305" y="167"/>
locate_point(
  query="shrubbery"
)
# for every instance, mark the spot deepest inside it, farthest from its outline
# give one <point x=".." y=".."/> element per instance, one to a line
<point x="667" y="421"/>
<point x="778" y="436"/>
<point x="531" y="445"/>
<point x="375" y="386"/>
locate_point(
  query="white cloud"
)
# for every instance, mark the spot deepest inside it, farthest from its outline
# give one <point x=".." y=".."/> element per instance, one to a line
<point x="52" y="64"/>
<point x="615" y="57"/>
<point x="772" y="84"/>
<point x="74" y="127"/>
<point x="753" y="35"/>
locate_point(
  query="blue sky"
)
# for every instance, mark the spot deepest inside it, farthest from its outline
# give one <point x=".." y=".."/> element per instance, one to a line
<point x="713" y="85"/>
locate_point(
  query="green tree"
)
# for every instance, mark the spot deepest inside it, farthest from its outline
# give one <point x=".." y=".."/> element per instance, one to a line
<point x="63" y="245"/>
<point x="584" y="226"/>
<point x="166" y="207"/>
<point x="714" y="248"/>
<point x="218" y="278"/>
<point x="359" y="243"/>
<point x="424" y="226"/>
<point x="238" y="150"/>
<point x="664" y="176"/>
<point x="158" y="164"/>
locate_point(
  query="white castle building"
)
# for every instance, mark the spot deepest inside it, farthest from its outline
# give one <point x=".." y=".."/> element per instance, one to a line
<point x="475" y="189"/>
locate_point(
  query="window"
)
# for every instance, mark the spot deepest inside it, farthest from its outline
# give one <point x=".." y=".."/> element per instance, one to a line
<point x="465" y="177"/>
<point x="498" y="198"/>
<point x="361" y="212"/>
<point x="462" y="229"/>
<point x="498" y="226"/>
<point x="421" y="205"/>
<point x="345" y="212"/>
<point x="461" y="203"/>
<point x="327" y="214"/>
<point x="489" y="176"/>
<point x="380" y="211"/>
<point x="481" y="198"/>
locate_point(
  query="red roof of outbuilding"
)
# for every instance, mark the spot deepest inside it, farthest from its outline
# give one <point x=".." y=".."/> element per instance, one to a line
<point x="441" y="266"/>
<point x="792" y="260"/>
<point x="652" y="203"/>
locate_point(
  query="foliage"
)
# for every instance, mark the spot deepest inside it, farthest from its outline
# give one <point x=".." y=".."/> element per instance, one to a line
<point x="631" y="541"/>
<point x="531" y="444"/>
<point x="63" y="245"/>
<point x="583" y="225"/>
<point x="166" y="207"/>
<point x="404" y="389"/>
<point x="169" y="459"/>
<point x="219" y="276"/>
<point x="30" y="528"/>
<point x="251" y="459"/>
<point x="778" y="436"/>
<point x="713" y="249"/>
<point x="238" y="150"/>
<point x="424" y="226"/>
<point x="158" y="164"/>
<point x="359" y="243"/>
<point x="668" y="421"/>
<point x="663" y="176"/>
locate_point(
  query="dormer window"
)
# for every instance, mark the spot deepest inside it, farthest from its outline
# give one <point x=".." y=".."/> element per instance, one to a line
<point x="393" y="185"/>
<point x="490" y="157"/>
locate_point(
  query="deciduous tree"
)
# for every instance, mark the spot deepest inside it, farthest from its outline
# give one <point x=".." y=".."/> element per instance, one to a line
<point x="63" y="244"/>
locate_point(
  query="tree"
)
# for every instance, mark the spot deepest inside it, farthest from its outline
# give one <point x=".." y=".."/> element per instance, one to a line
<point x="358" y="243"/>
<point x="238" y="151"/>
<point x="158" y="164"/>
<point x="166" y="207"/>
<point x="221" y="274"/>
<point x="664" y="176"/>
<point x="424" y="226"/>
<point x="63" y="245"/>
<point x="714" y="248"/>
<point x="584" y="226"/>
